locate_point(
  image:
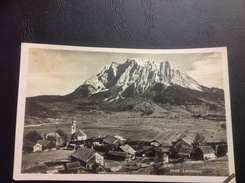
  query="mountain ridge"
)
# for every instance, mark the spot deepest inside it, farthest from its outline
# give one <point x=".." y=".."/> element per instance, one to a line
<point x="141" y="73"/>
<point x="128" y="85"/>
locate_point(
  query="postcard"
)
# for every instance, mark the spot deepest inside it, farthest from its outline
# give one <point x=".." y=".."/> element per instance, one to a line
<point x="110" y="114"/>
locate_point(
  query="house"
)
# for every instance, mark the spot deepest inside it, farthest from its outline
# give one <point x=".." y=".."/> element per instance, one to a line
<point x="205" y="153"/>
<point x="162" y="153"/>
<point x="112" y="140"/>
<point x="29" y="147"/>
<point x="185" y="151"/>
<point x="179" y="143"/>
<point x="221" y="150"/>
<point x="129" y="150"/>
<point x="212" y="142"/>
<point x="46" y="144"/>
<point x="87" y="157"/>
<point x="142" y="148"/>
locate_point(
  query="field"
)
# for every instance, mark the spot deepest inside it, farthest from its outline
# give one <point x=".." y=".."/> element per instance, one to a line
<point x="130" y="125"/>
<point x="41" y="157"/>
<point x="218" y="167"/>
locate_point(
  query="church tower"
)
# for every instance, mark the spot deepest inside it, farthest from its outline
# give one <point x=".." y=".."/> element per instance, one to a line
<point x="73" y="127"/>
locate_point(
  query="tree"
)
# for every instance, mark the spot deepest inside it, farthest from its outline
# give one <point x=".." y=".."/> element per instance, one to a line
<point x="63" y="135"/>
<point x="158" y="167"/>
<point x="199" y="138"/>
<point x="51" y="138"/>
<point x="33" y="136"/>
<point x="95" y="167"/>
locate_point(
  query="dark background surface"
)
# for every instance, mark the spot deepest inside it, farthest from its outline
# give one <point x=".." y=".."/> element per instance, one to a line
<point x="120" y="24"/>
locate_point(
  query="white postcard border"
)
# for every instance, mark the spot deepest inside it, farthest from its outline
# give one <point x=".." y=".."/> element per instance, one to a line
<point x="108" y="177"/>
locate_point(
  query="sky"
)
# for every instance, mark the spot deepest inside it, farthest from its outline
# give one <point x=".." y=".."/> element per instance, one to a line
<point x="60" y="72"/>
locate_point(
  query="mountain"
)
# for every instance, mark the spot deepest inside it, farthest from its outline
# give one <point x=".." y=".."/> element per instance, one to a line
<point x="129" y="85"/>
<point x="137" y="73"/>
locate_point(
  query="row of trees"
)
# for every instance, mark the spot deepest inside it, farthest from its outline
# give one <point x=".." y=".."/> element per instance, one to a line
<point x="34" y="136"/>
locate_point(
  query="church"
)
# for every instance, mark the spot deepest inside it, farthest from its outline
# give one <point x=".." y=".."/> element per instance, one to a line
<point x="77" y="135"/>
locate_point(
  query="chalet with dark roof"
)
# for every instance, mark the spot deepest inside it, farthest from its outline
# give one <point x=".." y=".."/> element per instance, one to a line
<point x="87" y="157"/>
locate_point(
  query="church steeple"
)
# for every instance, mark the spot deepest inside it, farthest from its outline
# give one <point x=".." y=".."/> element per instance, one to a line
<point x="73" y="127"/>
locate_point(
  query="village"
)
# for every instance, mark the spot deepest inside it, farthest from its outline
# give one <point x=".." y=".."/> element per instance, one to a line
<point x="114" y="154"/>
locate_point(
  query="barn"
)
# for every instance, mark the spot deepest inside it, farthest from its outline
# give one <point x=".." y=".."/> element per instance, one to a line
<point x="205" y="153"/>
<point x="87" y="157"/>
<point x="29" y="147"/>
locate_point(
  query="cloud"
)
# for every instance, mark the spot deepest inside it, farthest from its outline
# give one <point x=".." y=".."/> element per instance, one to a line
<point x="208" y="71"/>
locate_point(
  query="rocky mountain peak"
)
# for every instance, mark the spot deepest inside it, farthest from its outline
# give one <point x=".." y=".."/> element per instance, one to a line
<point x="140" y="73"/>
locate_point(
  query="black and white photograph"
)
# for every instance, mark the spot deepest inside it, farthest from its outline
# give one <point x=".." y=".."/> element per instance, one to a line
<point x="148" y="114"/>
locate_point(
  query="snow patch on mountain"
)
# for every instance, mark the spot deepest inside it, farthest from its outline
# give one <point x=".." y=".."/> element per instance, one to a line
<point x="143" y="74"/>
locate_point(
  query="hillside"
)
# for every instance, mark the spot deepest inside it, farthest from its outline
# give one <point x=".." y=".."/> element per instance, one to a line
<point x="132" y="85"/>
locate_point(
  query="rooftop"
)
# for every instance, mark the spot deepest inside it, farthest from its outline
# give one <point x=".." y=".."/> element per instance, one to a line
<point x="43" y="142"/>
<point x="206" y="149"/>
<point x="110" y="139"/>
<point x="80" y="133"/>
<point x="128" y="149"/>
<point x="84" y="154"/>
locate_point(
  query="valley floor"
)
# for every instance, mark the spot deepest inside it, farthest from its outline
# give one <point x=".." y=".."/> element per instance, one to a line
<point x="130" y="125"/>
